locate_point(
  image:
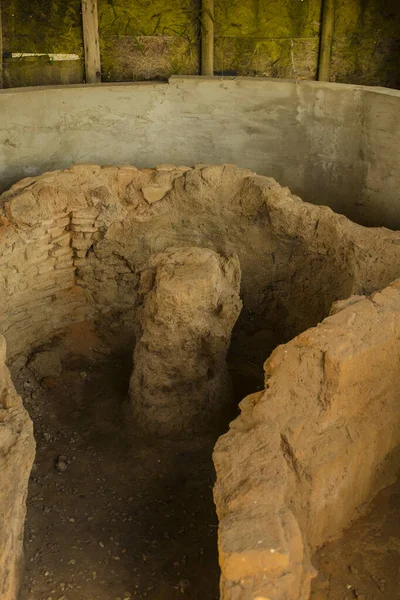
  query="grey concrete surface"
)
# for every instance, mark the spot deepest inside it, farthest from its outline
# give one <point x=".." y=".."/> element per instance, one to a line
<point x="332" y="144"/>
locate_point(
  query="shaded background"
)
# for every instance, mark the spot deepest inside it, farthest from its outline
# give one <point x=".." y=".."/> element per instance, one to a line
<point x="154" y="39"/>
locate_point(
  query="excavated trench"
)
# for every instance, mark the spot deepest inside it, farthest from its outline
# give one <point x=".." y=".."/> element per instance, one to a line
<point x="139" y="308"/>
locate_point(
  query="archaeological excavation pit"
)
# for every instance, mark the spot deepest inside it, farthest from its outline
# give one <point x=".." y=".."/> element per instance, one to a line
<point x="139" y="307"/>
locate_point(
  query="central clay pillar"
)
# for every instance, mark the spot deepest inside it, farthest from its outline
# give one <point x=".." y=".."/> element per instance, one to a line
<point x="190" y="303"/>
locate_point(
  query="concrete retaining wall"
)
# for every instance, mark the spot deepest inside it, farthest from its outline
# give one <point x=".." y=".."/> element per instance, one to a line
<point x="331" y="144"/>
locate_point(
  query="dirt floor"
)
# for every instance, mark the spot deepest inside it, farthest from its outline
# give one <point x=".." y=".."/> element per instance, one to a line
<point x="365" y="562"/>
<point x="111" y="515"/>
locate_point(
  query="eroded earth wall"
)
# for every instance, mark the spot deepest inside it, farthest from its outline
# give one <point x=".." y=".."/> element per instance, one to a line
<point x="309" y="451"/>
<point x="17" y="450"/>
<point x="73" y="243"/>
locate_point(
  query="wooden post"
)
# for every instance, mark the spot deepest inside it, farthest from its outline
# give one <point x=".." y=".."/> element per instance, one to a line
<point x="325" y="53"/>
<point x="91" y="43"/>
<point x="207" y="37"/>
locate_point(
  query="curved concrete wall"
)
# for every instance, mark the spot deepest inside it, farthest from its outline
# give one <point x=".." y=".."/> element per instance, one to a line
<point x="331" y="144"/>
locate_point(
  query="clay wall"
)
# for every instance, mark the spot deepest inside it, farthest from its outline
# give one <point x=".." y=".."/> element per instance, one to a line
<point x="311" y="450"/>
<point x="17" y="450"/>
<point x="74" y="242"/>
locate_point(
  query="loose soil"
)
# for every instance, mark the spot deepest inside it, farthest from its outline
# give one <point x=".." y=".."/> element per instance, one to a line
<point x="133" y="516"/>
<point x="365" y="562"/>
<point x="128" y="517"/>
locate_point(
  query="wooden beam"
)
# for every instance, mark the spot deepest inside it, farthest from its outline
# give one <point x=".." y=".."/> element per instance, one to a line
<point x="207" y="37"/>
<point x="91" y="43"/>
<point x="327" y="28"/>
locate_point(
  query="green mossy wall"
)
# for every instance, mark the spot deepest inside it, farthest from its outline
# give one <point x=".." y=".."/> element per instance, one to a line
<point x="49" y="26"/>
<point x="153" y="39"/>
<point x="267" y="37"/>
<point x="148" y="39"/>
<point x="42" y="26"/>
<point x="367" y="42"/>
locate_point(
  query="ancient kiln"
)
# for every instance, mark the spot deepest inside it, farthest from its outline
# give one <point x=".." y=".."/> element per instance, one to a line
<point x="321" y="439"/>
